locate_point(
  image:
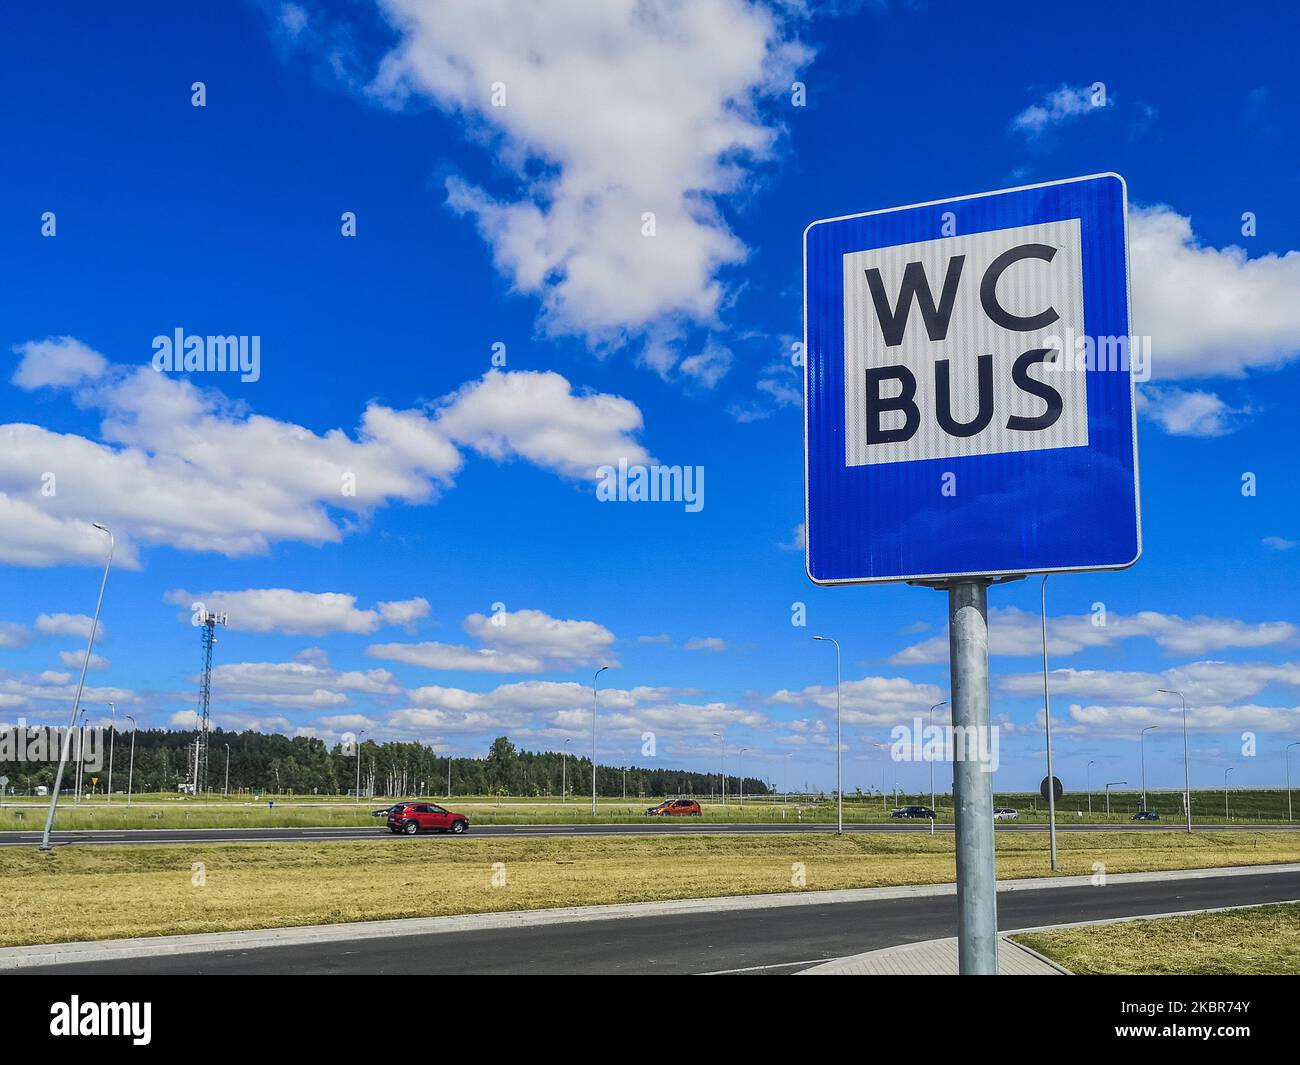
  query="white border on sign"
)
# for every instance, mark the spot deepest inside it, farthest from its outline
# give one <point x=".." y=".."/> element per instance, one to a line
<point x="1132" y="383"/>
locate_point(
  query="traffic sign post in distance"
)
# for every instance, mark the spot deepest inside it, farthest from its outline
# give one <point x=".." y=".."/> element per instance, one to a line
<point x="1058" y="789"/>
<point x="969" y="417"/>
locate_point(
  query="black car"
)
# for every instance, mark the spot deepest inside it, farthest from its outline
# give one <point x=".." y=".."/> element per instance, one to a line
<point x="388" y="810"/>
<point x="914" y="811"/>
<point x="1145" y="815"/>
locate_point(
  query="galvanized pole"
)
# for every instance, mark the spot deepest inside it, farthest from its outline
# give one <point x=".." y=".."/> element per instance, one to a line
<point x="1142" y="749"/>
<point x="1286" y="755"/>
<point x="1187" y="776"/>
<point x="932" y="792"/>
<point x="1047" y="719"/>
<point x="972" y="784"/>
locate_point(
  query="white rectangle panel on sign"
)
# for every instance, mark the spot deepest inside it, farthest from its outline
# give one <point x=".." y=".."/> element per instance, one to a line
<point x="1013" y="292"/>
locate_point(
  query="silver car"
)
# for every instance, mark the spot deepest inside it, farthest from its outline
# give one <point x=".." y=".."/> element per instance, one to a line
<point x="1005" y="813"/>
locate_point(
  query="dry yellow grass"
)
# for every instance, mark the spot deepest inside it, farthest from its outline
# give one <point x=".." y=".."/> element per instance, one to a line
<point x="80" y="893"/>
<point x="1257" y="942"/>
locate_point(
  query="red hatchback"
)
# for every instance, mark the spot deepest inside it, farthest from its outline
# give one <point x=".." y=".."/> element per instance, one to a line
<point x="675" y="808"/>
<point x="413" y="817"/>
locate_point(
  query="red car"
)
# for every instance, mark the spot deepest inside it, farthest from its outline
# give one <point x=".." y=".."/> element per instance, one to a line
<point x="413" y="817"/>
<point x="675" y="808"/>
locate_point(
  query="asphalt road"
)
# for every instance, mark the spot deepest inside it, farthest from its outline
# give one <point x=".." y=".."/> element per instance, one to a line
<point x="767" y="941"/>
<point x="378" y="833"/>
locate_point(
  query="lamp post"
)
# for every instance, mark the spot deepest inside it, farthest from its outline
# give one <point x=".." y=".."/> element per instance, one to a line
<point x="932" y="710"/>
<point x="356" y="797"/>
<point x="1047" y="723"/>
<point x="226" y="791"/>
<point x="1112" y="784"/>
<point x="1142" y="747"/>
<point x="76" y="705"/>
<point x="1088" y="771"/>
<point x="1226" y="815"/>
<point x="111" y="737"/>
<point x="839" y="746"/>
<point x="722" y="765"/>
<point x="1187" y="778"/>
<point x="130" y="769"/>
<point x="1286" y="755"/>
<point x="593" y="737"/>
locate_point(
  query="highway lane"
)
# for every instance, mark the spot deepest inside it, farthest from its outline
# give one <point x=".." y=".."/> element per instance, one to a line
<point x="760" y="941"/>
<point x="377" y="833"/>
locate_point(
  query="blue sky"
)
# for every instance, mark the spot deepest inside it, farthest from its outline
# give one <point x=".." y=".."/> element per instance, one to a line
<point x="522" y="225"/>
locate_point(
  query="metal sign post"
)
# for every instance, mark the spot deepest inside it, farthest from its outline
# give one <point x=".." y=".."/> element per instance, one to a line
<point x="972" y="783"/>
<point x="970" y="418"/>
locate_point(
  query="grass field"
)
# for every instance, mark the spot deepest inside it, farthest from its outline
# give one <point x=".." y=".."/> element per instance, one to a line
<point x="172" y="811"/>
<point x="111" y="892"/>
<point x="1256" y="942"/>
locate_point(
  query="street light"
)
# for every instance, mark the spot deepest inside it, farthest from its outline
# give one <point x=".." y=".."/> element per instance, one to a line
<point x="1226" y="816"/>
<point x="722" y="765"/>
<point x="1187" y="778"/>
<point x="1142" y="748"/>
<point x="111" y="737"/>
<point x="564" y="758"/>
<point x="1112" y="784"/>
<point x="356" y="796"/>
<point x="1286" y="755"/>
<point x="130" y="769"/>
<point x="932" y="710"/>
<point x="227" y="789"/>
<point x="76" y="705"/>
<point x="1088" y="771"/>
<point x="1047" y="721"/>
<point x="593" y="737"/>
<point x="839" y="746"/>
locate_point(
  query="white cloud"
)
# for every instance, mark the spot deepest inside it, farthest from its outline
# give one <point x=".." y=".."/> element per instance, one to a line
<point x="532" y="632"/>
<point x="661" y="638"/>
<point x="234" y="721"/>
<point x="1210" y="311"/>
<point x="1183" y="412"/>
<point x="1058" y="107"/>
<point x="708" y="367"/>
<point x="1278" y="543"/>
<point x="187" y="468"/>
<point x="867" y="701"/>
<point x="537" y="416"/>
<point x="56" y="361"/>
<point x="611" y="110"/>
<point x="73" y="660"/>
<point x="308" y="682"/>
<point x="798" y="539"/>
<point x="706" y="643"/>
<point x="1126" y="720"/>
<point x="283" y="610"/>
<point x="1016" y="633"/>
<point x="1200" y="682"/>
<point x="432" y="655"/>
<point x="68" y="625"/>
<point x="13" y="635"/>
<point x="404" y="611"/>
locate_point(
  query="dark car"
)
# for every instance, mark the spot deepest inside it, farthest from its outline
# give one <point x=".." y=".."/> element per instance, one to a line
<point x="675" y="808"/>
<point x="387" y="810"/>
<point x="1145" y="815"/>
<point x="914" y="811"/>
<point x="413" y="817"/>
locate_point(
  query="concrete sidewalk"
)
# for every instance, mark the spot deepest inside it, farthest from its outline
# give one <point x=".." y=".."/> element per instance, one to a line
<point x="937" y="957"/>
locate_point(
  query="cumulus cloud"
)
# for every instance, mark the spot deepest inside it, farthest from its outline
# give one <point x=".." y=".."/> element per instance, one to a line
<point x="404" y="611"/>
<point x="1189" y="412"/>
<point x="185" y="467"/>
<point x="1200" y="682"/>
<point x="532" y="632"/>
<point x="868" y="700"/>
<point x="13" y="635"/>
<point x="73" y="660"/>
<point x="612" y="111"/>
<point x="1014" y="632"/>
<point x="1211" y="312"/>
<point x="307" y="682"/>
<point x="706" y="643"/>
<point x="1125" y="720"/>
<point x="1279" y="543"/>
<point x="1058" y="107"/>
<point x="297" y="613"/>
<point x="56" y="361"/>
<point x="68" y="625"/>
<point x="434" y="655"/>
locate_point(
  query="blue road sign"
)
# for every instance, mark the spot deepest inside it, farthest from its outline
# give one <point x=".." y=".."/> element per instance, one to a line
<point x="969" y="387"/>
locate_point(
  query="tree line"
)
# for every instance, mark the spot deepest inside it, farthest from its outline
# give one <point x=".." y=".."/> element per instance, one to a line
<point x="272" y="763"/>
